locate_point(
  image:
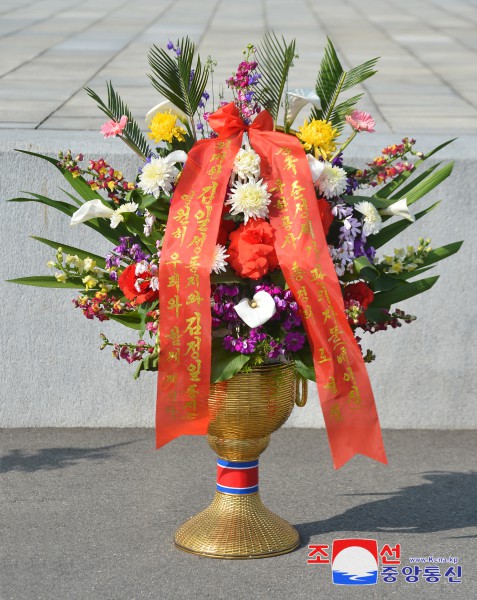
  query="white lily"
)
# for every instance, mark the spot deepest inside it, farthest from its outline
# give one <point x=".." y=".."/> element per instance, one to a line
<point x="398" y="209"/>
<point x="297" y="100"/>
<point x="176" y="156"/>
<point x="94" y="209"/>
<point x="257" y="311"/>
<point x="166" y="106"/>
<point x="91" y="210"/>
<point x="316" y="167"/>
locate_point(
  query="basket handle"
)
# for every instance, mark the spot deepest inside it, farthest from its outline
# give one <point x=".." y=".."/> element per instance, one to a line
<point x="300" y="399"/>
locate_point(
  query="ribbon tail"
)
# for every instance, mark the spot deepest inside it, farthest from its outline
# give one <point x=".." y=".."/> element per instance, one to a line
<point x="344" y="389"/>
<point x="185" y="327"/>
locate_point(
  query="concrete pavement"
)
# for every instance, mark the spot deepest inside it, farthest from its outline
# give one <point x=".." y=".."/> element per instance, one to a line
<point x="51" y="49"/>
<point x="90" y="515"/>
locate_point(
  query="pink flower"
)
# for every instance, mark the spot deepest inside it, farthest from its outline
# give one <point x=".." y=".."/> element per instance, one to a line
<point x="361" y="121"/>
<point x="113" y="128"/>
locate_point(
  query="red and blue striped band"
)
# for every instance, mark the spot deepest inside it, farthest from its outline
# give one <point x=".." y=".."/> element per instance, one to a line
<point x="237" y="477"/>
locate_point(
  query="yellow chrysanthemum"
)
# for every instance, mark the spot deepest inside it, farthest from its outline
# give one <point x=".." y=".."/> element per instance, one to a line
<point x="319" y="135"/>
<point x="164" y="129"/>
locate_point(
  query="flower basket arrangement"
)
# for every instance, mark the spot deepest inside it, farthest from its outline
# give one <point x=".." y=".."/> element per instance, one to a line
<point x="247" y="245"/>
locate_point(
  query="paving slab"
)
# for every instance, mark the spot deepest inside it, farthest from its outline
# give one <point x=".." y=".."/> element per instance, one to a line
<point x="429" y="47"/>
<point x="90" y="514"/>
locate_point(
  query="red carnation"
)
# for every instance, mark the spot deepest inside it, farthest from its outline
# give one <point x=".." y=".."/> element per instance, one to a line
<point x="325" y="214"/>
<point x="360" y="293"/>
<point x="252" y="249"/>
<point x="128" y="280"/>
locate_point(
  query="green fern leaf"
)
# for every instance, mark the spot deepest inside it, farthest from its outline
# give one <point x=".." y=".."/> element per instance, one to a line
<point x="176" y="80"/>
<point x="275" y="57"/>
<point x="332" y="80"/>
<point x="115" y="108"/>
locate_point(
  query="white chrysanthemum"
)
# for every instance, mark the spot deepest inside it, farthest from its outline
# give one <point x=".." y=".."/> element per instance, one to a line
<point x="372" y="221"/>
<point x="332" y="181"/>
<point x="117" y="216"/>
<point x="219" y="263"/>
<point x="251" y="199"/>
<point x="157" y="174"/>
<point x="247" y="164"/>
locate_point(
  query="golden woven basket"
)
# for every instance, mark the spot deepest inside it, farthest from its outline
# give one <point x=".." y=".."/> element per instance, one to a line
<point x="244" y="411"/>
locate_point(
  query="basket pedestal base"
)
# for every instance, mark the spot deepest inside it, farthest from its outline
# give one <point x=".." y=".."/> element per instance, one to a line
<point x="235" y="526"/>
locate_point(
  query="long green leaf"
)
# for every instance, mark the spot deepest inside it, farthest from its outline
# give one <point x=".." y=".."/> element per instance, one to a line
<point x="390" y="231"/>
<point x="131" y="319"/>
<point x="403" y="292"/>
<point x="77" y="183"/>
<point x="49" y="281"/>
<point x="64" y="207"/>
<point x="400" y="179"/>
<point x="441" y="253"/>
<point x="429" y="183"/>
<point x="402" y="191"/>
<point x="225" y="364"/>
<point x="100" y="225"/>
<point x="72" y="250"/>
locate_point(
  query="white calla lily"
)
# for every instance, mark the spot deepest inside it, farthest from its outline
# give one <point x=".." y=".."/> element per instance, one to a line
<point x="94" y="209"/>
<point x="176" y="156"/>
<point x="91" y="210"/>
<point x="257" y="311"/>
<point x="166" y="106"/>
<point x="398" y="209"/>
<point x="316" y="167"/>
<point x="297" y="100"/>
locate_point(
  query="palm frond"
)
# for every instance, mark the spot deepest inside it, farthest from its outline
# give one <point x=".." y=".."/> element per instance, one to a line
<point x="175" y="79"/>
<point x="115" y="108"/>
<point x="332" y="80"/>
<point x="276" y="58"/>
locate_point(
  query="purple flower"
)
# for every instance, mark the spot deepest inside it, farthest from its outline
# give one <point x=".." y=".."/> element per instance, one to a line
<point x="360" y="249"/>
<point x="294" y="341"/>
<point x="170" y="45"/>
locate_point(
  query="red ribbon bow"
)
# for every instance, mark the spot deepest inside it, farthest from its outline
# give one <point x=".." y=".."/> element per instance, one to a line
<point x="184" y="294"/>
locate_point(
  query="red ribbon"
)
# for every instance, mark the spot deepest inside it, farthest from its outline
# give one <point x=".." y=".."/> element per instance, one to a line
<point x="184" y="294"/>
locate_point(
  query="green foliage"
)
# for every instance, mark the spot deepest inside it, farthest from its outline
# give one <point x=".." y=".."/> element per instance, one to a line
<point x="172" y="76"/>
<point x="77" y="183"/>
<point x="275" y="57"/>
<point x="389" y="188"/>
<point x="403" y="292"/>
<point x="304" y="363"/>
<point x="365" y="269"/>
<point x="391" y="231"/>
<point x="115" y="108"/>
<point x="49" y="281"/>
<point x="148" y="363"/>
<point x="100" y="225"/>
<point x="225" y="364"/>
<point x="421" y="188"/>
<point x="72" y="250"/>
<point x="332" y="81"/>
<point x="130" y="319"/>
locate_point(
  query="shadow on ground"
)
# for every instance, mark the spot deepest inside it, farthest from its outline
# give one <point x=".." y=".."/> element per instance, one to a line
<point x="48" y="459"/>
<point x="447" y="502"/>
